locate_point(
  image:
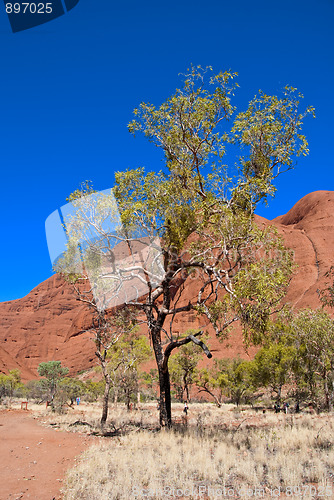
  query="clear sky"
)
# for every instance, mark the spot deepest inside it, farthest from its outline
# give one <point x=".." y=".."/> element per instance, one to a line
<point x="68" y="88"/>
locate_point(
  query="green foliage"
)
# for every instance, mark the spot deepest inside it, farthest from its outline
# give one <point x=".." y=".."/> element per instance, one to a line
<point x="70" y="389"/>
<point x="85" y="189"/>
<point x="9" y="383"/>
<point x="183" y="369"/>
<point x="313" y="335"/>
<point x="273" y="365"/>
<point x="124" y="360"/>
<point x="189" y="128"/>
<point x="248" y="263"/>
<point x="53" y="372"/>
<point x="236" y="379"/>
<point x="270" y="131"/>
<point x="93" y="390"/>
<point x="233" y="378"/>
<point x="299" y="354"/>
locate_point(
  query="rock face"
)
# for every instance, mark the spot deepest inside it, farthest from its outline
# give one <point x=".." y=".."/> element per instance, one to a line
<point x="49" y="323"/>
<point x="308" y="228"/>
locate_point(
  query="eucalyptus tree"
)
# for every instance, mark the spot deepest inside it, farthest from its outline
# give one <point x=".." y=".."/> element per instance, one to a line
<point x="312" y="332"/>
<point x="52" y="371"/>
<point x="190" y="227"/>
<point x="124" y="360"/>
<point x="183" y="370"/>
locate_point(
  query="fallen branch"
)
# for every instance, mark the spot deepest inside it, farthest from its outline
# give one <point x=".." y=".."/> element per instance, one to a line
<point x="80" y="422"/>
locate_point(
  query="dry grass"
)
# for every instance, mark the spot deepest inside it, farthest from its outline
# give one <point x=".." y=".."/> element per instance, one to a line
<point x="218" y="449"/>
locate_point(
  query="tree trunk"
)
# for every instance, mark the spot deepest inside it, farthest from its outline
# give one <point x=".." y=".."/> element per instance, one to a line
<point x="128" y="398"/>
<point x="162" y="357"/>
<point x="186" y="388"/>
<point x="105" y="398"/>
<point x="165" y="404"/>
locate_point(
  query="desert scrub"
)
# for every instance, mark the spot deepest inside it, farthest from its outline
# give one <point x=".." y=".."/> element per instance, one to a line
<point x="147" y="461"/>
<point x="144" y="462"/>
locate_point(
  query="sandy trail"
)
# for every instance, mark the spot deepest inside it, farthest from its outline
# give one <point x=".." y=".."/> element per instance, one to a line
<point x="33" y="458"/>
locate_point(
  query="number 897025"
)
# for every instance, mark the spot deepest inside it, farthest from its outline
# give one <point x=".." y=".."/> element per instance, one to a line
<point x="29" y="8"/>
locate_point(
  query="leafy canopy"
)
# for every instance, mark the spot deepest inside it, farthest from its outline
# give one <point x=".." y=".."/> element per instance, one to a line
<point x="193" y="128"/>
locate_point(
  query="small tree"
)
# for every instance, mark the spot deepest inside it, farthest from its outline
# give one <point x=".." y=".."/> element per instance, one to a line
<point x="107" y="327"/>
<point x="108" y="332"/>
<point x="208" y="380"/>
<point x="273" y="366"/>
<point x="313" y="335"/>
<point x="236" y="380"/>
<point x="149" y="383"/>
<point x="124" y="360"/>
<point x="53" y="372"/>
<point x="9" y="383"/>
<point x="70" y="389"/>
<point x="183" y="369"/>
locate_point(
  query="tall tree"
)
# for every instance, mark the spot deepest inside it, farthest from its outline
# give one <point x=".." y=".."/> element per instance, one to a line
<point x="196" y="217"/>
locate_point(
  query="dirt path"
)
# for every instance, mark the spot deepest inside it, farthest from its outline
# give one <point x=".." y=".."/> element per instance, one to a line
<point x="33" y="458"/>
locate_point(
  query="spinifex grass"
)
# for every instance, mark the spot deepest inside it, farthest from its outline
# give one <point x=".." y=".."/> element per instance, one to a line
<point x="258" y="452"/>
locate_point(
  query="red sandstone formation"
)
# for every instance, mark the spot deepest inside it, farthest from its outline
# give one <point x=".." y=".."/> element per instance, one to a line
<point x="49" y="323"/>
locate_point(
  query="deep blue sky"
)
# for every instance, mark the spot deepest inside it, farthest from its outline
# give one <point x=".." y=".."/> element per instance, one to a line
<point x="68" y="88"/>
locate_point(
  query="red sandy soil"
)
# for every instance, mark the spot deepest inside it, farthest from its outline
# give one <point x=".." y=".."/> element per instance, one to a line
<point x="33" y="458"/>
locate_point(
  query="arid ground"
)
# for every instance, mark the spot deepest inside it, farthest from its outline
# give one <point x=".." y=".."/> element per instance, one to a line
<point x="239" y="449"/>
<point x="34" y="458"/>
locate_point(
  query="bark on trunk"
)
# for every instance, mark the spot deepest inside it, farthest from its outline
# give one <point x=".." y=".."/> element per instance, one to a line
<point x="165" y="398"/>
<point x="105" y="399"/>
<point x="186" y="388"/>
<point x="162" y="357"/>
<point x="165" y="407"/>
